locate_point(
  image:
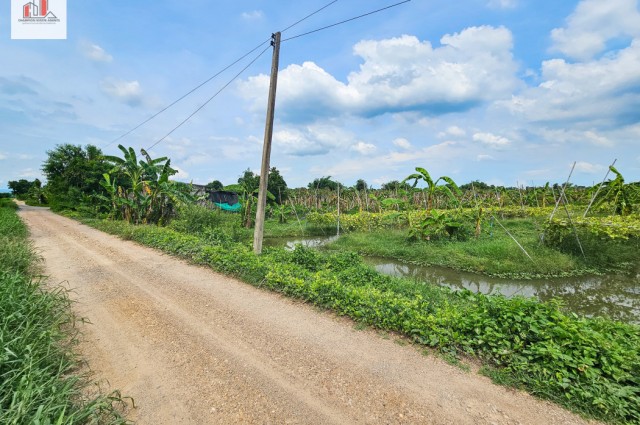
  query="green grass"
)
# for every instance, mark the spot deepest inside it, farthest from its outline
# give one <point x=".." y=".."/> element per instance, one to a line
<point x="591" y="366"/>
<point x="38" y="367"/>
<point x="494" y="255"/>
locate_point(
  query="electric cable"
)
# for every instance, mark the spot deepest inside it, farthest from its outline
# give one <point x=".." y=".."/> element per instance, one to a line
<point x="210" y="99"/>
<point x="186" y="94"/>
<point x="308" y="16"/>
<point x="345" y="21"/>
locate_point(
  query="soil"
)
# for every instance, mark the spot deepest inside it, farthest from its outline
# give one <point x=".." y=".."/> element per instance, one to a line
<point x="191" y="346"/>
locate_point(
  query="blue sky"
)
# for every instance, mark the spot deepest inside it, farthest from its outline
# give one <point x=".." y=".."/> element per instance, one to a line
<point x="504" y="91"/>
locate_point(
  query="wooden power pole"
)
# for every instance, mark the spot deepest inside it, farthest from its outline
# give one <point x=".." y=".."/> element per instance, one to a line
<point x="258" y="233"/>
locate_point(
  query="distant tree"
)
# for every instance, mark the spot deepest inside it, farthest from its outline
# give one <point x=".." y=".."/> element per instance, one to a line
<point x="276" y="185"/>
<point x="74" y="174"/>
<point x="395" y="185"/>
<point x="324" y="183"/>
<point x="249" y="180"/>
<point x="361" y="185"/>
<point x="20" y="187"/>
<point x="214" y="185"/>
<point x="476" y="184"/>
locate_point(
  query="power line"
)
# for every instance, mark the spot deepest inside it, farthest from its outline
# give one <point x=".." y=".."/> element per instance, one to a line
<point x="308" y="16"/>
<point x="186" y="94"/>
<point x="346" y="20"/>
<point x="213" y="76"/>
<point x="210" y="99"/>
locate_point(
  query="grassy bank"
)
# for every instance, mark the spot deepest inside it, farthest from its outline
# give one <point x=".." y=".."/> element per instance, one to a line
<point x="38" y="381"/>
<point x="497" y="255"/>
<point x="591" y="366"/>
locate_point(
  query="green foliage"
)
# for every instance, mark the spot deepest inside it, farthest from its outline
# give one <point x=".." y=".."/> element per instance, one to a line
<point x="277" y="186"/>
<point x="323" y="183"/>
<point x="214" y="186"/>
<point x="361" y="185"/>
<point x="38" y="368"/>
<point x="73" y="176"/>
<point x="437" y="225"/>
<point x="145" y="194"/>
<point x="395" y="185"/>
<point x="618" y="193"/>
<point x="450" y="189"/>
<point x="20" y="187"/>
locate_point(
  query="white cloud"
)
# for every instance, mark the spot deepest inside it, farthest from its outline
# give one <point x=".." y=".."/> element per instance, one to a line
<point x="502" y="4"/>
<point x="181" y="174"/>
<point x="402" y="143"/>
<point x="95" y="52"/>
<point x="484" y="157"/>
<point x="586" y="167"/>
<point x="3" y="156"/>
<point x="364" y="148"/>
<point x="128" y="92"/>
<point x="453" y="131"/>
<point x="252" y="15"/>
<point x="603" y="92"/>
<point x="437" y="155"/>
<point x="593" y="24"/>
<point x="399" y="75"/>
<point x="315" y="140"/>
<point x="491" y="140"/>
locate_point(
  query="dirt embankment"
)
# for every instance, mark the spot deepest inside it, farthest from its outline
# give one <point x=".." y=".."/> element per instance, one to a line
<point x="194" y="347"/>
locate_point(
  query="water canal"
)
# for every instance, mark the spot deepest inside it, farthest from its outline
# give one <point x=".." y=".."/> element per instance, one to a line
<point x="616" y="296"/>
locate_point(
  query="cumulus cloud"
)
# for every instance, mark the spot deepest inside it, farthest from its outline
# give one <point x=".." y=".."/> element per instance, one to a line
<point x="316" y="140"/>
<point x="453" y="131"/>
<point x="364" y="148"/>
<point x="128" y="92"/>
<point x="399" y="74"/>
<point x="587" y="167"/>
<point x="491" y="140"/>
<point x="402" y="143"/>
<point x="593" y="24"/>
<point x="95" y="52"/>
<point x="181" y="174"/>
<point x="603" y="92"/>
<point x="439" y="154"/>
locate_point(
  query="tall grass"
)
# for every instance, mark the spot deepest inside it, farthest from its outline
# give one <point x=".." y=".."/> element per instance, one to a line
<point x="39" y="381"/>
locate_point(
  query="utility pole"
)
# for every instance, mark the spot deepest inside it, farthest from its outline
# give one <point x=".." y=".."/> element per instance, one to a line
<point x="258" y="233"/>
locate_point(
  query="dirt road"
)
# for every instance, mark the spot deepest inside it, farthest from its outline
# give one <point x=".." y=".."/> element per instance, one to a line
<point x="195" y="347"/>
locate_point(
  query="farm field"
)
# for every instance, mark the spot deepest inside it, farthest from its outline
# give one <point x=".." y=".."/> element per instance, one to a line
<point x="584" y="361"/>
<point x="161" y="328"/>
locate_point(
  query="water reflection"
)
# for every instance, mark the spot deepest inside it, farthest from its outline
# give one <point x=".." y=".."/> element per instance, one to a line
<point x="614" y="296"/>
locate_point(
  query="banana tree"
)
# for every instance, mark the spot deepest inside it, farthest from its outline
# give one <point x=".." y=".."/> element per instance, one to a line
<point x="146" y="195"/>
<point x="432" y="189"/>
<point x="618" y="193"/>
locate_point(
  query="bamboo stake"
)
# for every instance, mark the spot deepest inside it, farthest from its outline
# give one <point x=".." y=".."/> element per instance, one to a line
<point x="514" y="239"/>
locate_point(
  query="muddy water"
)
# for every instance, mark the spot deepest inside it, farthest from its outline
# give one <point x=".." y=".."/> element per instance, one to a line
<point x="615" y="296"/>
